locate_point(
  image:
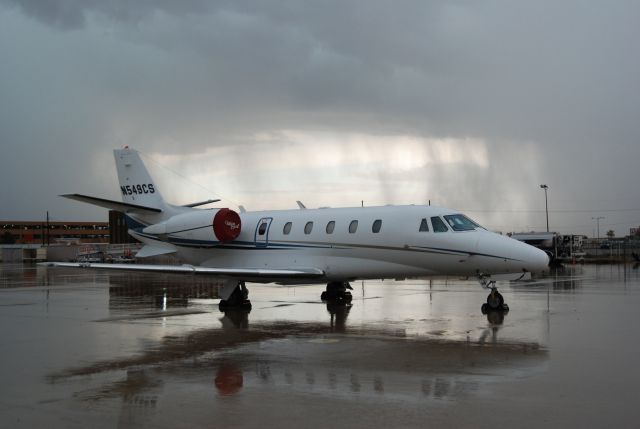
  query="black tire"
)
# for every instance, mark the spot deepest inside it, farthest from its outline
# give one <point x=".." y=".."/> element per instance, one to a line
<point x="495" y="301"/>
<point x="336" y="296"/>
<point x="347" y="297"/>
<point x="236" y="305"/>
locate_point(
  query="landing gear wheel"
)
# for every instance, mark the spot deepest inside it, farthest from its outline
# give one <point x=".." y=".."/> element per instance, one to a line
<point x="495" y="301"/>
<point x="339" y="297"/>
<point x="337" y="293"/>
<point x="239" y="299"/>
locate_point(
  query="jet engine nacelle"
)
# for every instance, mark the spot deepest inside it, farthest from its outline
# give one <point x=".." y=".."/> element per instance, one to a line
<point x="226" y="225"/>
<point x="222" y="225"/>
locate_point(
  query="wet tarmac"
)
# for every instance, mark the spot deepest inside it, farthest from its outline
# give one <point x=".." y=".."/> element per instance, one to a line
<point x="81" y="348"/>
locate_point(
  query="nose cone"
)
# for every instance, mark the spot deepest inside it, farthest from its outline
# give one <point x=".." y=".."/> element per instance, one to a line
<point x="530" y="258"/>
<point x="510" y="256"/>
<point x="518" y="256"/>
<point x="538" y="260"/>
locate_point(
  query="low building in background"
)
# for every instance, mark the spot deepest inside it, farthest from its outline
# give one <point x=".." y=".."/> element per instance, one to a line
<point x="66" y="232"/>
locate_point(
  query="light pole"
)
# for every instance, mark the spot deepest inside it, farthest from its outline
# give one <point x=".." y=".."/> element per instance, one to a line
<point x="546" y="204"/>
<point x="597" y="219"/>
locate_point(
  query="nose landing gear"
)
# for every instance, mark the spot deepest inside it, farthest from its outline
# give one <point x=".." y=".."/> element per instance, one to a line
<point x="337" y="292"/>
<point x="495" y="300"/>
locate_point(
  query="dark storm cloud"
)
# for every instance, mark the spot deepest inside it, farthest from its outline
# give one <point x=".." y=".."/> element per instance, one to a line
<point x="175" y="77"/>
<point x="72" y="14"/>
<point x="491" y="68"/>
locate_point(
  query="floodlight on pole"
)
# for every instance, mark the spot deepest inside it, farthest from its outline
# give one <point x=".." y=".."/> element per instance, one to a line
<point x="546" y="204"/>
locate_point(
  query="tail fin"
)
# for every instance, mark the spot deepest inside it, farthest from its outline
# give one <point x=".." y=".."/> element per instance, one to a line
<point x="141" y="203"/>
<point x="136" y="184"/>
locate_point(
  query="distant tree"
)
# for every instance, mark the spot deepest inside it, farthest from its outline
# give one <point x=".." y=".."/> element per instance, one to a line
<point x="611" y="233"/>
<point x="7" y="238"/>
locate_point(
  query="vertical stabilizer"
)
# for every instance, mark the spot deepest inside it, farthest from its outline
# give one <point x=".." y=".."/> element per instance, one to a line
<point x="136" y="185"/>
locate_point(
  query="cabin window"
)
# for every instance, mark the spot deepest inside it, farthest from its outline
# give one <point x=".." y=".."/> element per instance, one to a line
<point x="438" y="225"/>
<point x="424" y="226"/>
<point x="263" y="228"/>
<point x="308" y="227"/>
<point x="459" y="222"/>
<point x="353" y="227"/>
<point x="287" y="228"/>
<point x="377" y="224"/>
<point x="331" y="226"/>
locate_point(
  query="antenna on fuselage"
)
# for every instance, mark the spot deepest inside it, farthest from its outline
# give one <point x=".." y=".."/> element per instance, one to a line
<point x="302" y="206"/>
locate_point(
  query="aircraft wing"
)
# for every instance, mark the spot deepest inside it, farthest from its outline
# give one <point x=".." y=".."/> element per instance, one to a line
<point x="302" y="273"/>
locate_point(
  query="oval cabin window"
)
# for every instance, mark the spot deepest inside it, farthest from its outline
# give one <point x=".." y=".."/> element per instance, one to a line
<point x="331" y="226"/>
<point x="308" y="227"/>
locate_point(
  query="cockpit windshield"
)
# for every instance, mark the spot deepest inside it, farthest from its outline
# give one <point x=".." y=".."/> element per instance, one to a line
<point x="459" y="222"/>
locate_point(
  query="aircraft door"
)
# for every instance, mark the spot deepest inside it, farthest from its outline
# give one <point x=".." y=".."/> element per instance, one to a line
<point x="262" y="232"/>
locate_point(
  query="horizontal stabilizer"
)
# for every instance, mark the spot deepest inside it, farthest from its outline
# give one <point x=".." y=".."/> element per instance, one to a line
<point x="148" y="250"/>
<point x="112" y="205"/>
<point x="258" y="273"/>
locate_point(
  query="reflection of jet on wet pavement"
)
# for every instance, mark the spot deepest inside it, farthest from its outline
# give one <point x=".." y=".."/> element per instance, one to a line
<point x="329" y="359"/>
<point x="333" y="366"/>
<point x="285" y="358"/>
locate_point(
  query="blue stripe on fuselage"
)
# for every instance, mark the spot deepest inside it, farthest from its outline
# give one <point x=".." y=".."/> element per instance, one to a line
<point x="250" y="245"/>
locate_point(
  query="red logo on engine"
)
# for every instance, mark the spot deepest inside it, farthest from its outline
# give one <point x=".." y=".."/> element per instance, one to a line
<point x="226" y="225"/>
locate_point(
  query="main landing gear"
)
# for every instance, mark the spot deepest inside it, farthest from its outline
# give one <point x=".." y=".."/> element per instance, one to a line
<point x="495" y="301"/>
<point x="337" y="292"/>
<point x="237" y="300"/>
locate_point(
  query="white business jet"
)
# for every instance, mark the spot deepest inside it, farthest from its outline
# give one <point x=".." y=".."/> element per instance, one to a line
<point x="332" y="245"/>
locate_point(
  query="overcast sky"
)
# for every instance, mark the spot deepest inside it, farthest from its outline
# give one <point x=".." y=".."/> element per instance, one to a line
<point x="469" y="104"/>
